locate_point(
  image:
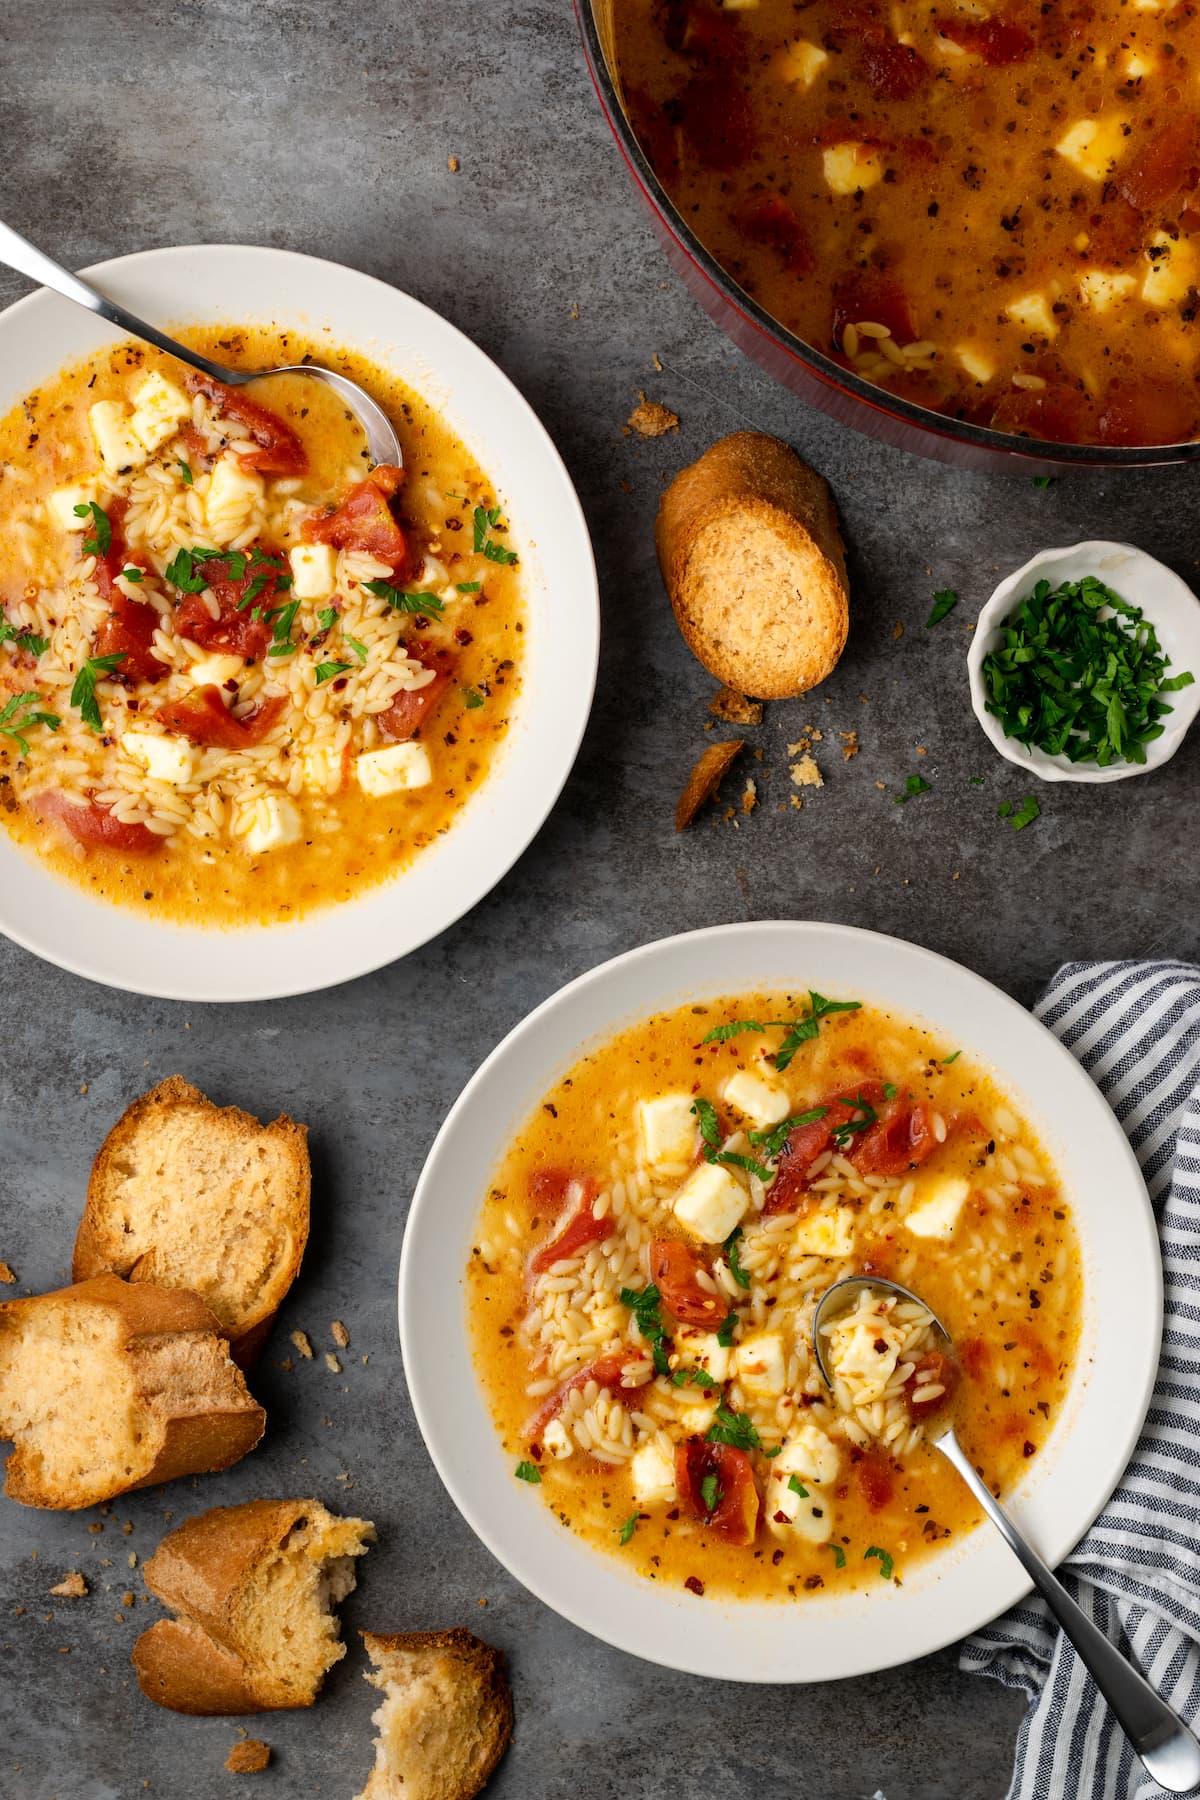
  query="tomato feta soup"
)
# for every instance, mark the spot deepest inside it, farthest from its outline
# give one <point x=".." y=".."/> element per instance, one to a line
<point x="649" y="1257"/>
<point x="243" y="672"/>
<point x="988" y="207"/>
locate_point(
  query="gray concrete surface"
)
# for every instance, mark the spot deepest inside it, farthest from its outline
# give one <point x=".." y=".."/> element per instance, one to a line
<point x="130" y="123"/>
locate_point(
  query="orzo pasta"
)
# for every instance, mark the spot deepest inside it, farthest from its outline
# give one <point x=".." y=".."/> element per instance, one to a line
<point x="242" y="672"/>
<point x="649" y="1257"/>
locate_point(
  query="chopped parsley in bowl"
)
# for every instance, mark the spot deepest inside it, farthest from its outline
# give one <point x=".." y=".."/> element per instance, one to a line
<point x="1081" y="665"/>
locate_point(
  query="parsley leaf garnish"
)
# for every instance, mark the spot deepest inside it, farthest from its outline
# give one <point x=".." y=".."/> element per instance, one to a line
<point x="15" y="719"/>
<point x="628" y="1528"/>
<point x="943" y="605"/>
<point x="468" y="587"/>
<point x="24" y="640"/>
<point x="326" y="671"/>
<point x="185" y="473"/>
<point x="693" y="1378"/>
<point x="101" y="539"/>
<point x="804" y="1030"/>
<point x="721" y="1034"/>
<point x="710" y="1493"/>
<point x="726" y="1328"/>
<point x="1024" y="815"/>
<point x="83" y="689"/>
<point x="730" y="1247"/>
<point x="889" y="1090"/>
<point x="947" y="1060"/>
<point x="916" y="784"/>
<point x="841" y="1134"/>
<point x="772" y="1141"/>
<point x="710" y="1131"/>
<point x="735" y="1429"/>
<point x="644" y="1306"/>
<point x="886" y="1565"/>
<point x="472" y="698"/>
<point x="134" y="574"/>
<point x="796" y="1487"/>
<point x="1043" y="481"/>
<point x="403" y="602"/>
<point x="281" y="634"/>
<point x="527" y="1471"/>
<point x="487" y="519"/>
<point x="839" y="1555"/>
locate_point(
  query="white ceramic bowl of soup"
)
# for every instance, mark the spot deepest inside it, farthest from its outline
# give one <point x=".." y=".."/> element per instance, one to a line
<point x="944" y="1596"/>
<point x="230" y="284"/>
<point x="1170" y="607"/>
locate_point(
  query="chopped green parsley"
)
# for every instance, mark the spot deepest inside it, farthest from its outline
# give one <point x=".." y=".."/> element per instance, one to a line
<point x="83" y="689"/>
<point x="943" y="605"/>
<point x="527" y="1471"/>
<point x="404" y="602"/>
<point x="19" y="713"/>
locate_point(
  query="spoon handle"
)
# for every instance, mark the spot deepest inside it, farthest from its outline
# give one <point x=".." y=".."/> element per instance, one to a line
<point x="1168" y="1749"/>
<point x="27" y="259"/>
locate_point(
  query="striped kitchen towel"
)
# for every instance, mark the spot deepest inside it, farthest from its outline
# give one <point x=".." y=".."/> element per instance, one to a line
<point x="1135" y="1027"/>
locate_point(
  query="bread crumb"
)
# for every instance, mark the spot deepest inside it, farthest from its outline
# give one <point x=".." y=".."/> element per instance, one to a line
<point x="6" y="1274"/>
<point x="365" y="1357"/>
<point x="881" y="785"/>
<point x="797" y="802"/>
<point x="96" y="1528"/>
<point x="730" y="705"/>
<point x="340" y="1335"/>
<point x="749" y="796"/>
<point x="898" y="629"/>
<point x="452" y="164"/>
<point x="127" y="1527"/>
<point x="705" y="779"/>
<point x="302" y="1344"/>
<point x="850" y="744"/>
<point x="656" y="359"/>
<point x="249" y="1757"/>
<point x="132" y="1559"/>
<point x="921" y="750"/>
<point x="128" y="1599"/>
<point x="650" y="418"/>
<point x="332" y="1363"/>
<point x="805" y="773"/>
<point x="72" y="1586"/>
<point x="574" y="312"/>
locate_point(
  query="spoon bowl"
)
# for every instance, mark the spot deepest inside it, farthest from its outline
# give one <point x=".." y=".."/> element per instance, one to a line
<point x="1165" y="1745"/>
<point x="15" y="250"/>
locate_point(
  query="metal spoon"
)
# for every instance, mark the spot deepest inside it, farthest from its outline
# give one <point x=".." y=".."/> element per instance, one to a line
<point x="27" y="259"/>
<point x="1164" y="1743"/>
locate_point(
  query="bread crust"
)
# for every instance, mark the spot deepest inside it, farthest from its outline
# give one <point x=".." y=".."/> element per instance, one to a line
<point x="99" y="1241"/>
<point x="755" y="633"/>
<point x="196" y="1663"/>
<point x="170" y="1337"/>
<point x="478" y="1671"/>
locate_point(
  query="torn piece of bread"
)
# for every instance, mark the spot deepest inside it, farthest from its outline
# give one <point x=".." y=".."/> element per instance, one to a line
<point x="187" y="1194"/>
<point x="705" y="779"/>
<point x="253" y="1587"/>
<point x="752" y="558"/>
<point x="446" y="1717"/>
<point x="106" y="1387"/>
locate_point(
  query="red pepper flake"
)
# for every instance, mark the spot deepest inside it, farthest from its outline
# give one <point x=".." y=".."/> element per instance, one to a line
<point x="694" y="1585"/>
<point x="781" y="1518"/>
<point x="463" y="636"/>
<point x="777" y="1557"/>
<point x="1030" y="1449"/>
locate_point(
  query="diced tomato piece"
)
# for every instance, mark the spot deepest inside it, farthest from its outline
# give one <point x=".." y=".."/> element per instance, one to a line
<point x="807" y="1142"/>
<point x="550" y="1189"/>
<point x="875" y="1475"/>
<point x="901" y="1138"/>
<point x="1161" y="168"/>
<point x="582" y="1229"/>
<point x="769" y="220"/>
<point x="733" y="1515"/>
<point x="205" y="719"/>
<point x="998" y="41"/>
<point x="278" y="450"/>
<point x="1117" y="232"/>
<point x="674" y="1268"/>
<point x="199" y="456"/>
<point x="129" y="630"/>
<point x="237" y="631"/>
<point x="878" y="300"/>
<point x="936" y="1369"/>
<point x="1060" y="414"/>
<point x="412" y="706"/>
<point x="717" y="122"/>
<point x="1147" y="411"/>
<point x="893" y="71"/>
<point x="95" y="826"/>
<point x="607" y="1372"/>
<point x="365" y="520"/>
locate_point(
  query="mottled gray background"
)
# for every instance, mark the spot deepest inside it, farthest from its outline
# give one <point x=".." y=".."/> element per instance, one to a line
<point x="327" y="128"/>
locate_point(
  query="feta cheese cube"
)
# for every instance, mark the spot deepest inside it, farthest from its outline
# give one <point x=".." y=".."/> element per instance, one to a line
<point x="851" y="167"/>
<point x="801" y="63"/>
<point x="700" y="1350"/>
<point x="165" y="757"/>
<point x="159" y="409"/>
<point x="62" y="502"/>
<point x="322" y="771"/>
<point x="1100" y="289"/>
<point x="1033" y="312"/>
<point x="394" y="770"/>
<point x="652" y="1473"/>
<point x="761" y="1364"/>
<point x="1138" y="65"/>
<point x="809" y="1515"/>
<point x="1094" y="146"/>
<point x="314" y="571"/>
<point x="1172" y="272"/>
<point x="810" y="1456"/>
<point x="828" y="1232"/>
<point x="556" y="1441"/>
<point x="697" y="1418"/>
<point x="710" y="1203"/>
<point x="215" y="670"/>
<point x="113" y="437"/>
<point x="233" y="495"/>
<point x="668" y="1129"/>
<point x="762" y="1101"/>
<point x="936" y="1213"/>
<point x="268" y="823"/>
<point x="978" y="366"/>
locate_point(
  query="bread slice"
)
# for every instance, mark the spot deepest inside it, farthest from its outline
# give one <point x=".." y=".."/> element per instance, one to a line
<point x="752" y="558"/>
<point x="446" y="1717"/>
<point x="106" y="1387"/>
<point x="253" y="1586"/>
<point x="188" y="1194"/>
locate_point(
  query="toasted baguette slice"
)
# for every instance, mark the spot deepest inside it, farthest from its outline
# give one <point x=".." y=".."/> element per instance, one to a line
<point x="253" y="1586"/>
<point x="752" y="558"/>
<point x="106" y="1387"/>
<point x="446" y="1717"/>
<point x="188" y="1194"/>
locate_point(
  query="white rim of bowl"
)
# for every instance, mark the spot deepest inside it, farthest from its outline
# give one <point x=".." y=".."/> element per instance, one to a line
<point x="426" y="1387"/>
<point x="468" y="893"/>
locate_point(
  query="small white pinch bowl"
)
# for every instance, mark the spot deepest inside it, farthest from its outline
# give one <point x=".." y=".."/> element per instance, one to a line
<point x="1169" y="605"/>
